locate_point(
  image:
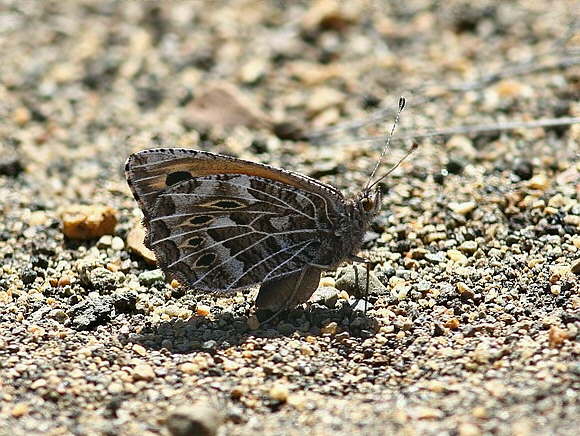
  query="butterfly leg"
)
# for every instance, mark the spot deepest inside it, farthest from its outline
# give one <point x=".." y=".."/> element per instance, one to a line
<point x="368" y="264"/>
<point x="289" y="291"/>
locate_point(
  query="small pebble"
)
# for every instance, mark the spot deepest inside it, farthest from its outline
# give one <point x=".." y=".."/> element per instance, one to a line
<point x="19" y="409"/>
<point x="540" y="182"/>
<point x="556" y="336"/>
<point x="435" y="236"/>
<point x="462" y="208"/>
<point x="147" y="278"/>
<point x="482" y="353"/>
<point x="224" y="104"/>
<point x="202" y="310"/>
<point x="353" y="279"/>
<point x="87" y="222"/>
<point x="143" y="371"/>
<point x="429" y="413"/>
<point x="462" y="146"/>
<point x="361" y="305"/>
<point x="279" y="392"/>
<point x="457" y="256"/>
<point x="464" y="290"/>
<point x="189" y="368"/>
<point x="37" y="384"/>
<point x="325" y="295"/>
<point x="322" y="99"/>
<point x="10" y="162"/>
<point x="452" y="323"/>
<point x="135" y="243"/>
<point x="140" y="350"/>
<point x="330" y="329"/>
<point x="200" y="419"/>
<point x="253" y="70"/>
<point x="64" y="280"/>
<point x="104" y="241"/>
<point x="468" y="429"/>
<point x="117" y="243"/>
<point x="468" y="247"/>
<point x="21" y="115"/>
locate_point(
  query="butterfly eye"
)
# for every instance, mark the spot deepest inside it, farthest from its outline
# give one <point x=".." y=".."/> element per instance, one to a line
<point x="368" y="204"/>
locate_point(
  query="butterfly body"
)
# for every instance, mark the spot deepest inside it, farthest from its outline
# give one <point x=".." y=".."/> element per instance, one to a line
<point x="218" y="223"/>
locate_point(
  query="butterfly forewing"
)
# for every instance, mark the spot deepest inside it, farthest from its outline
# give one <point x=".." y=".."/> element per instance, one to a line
<point x="219" y="223"/>
<point x="151" y="171"/>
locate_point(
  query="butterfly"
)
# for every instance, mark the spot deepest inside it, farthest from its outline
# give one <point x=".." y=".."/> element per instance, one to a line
<point x="218" y="223"/>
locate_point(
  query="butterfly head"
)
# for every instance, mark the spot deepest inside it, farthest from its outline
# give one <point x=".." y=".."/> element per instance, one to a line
<point x="361" y="210"/>
<point x="369" y="203"/>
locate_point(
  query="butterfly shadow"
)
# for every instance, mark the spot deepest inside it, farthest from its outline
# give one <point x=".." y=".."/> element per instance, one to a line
<point x="225" y="330"/>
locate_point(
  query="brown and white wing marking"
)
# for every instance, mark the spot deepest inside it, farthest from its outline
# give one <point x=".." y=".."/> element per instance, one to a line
<point x="220" y="223"/>
<point x="150" y="172"/>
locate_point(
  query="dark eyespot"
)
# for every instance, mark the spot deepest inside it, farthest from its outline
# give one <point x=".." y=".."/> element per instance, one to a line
<point x="200" y="220"/>
<point x="195" y="242"/>
<point x="205" y="260"/>
<point x="227" y="204"/>
<point x="177" y="177"/>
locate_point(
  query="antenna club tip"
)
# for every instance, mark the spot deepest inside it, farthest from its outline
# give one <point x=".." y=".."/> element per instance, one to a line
<point x="402" y="102"/>
<point x="415" y="146"/>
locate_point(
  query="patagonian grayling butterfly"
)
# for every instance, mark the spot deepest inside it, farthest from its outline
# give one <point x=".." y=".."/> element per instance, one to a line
<point x="217" y="223"/>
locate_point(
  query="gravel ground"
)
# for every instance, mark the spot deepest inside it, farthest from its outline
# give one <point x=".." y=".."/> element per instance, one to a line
<point x="474" y="326"/>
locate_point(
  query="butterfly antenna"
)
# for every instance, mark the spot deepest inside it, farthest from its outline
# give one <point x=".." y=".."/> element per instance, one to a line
<point x="402" y="103"/>
<point x="414" y="147"/>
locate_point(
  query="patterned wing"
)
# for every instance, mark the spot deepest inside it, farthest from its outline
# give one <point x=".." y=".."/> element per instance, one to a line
<point x="229" y="228"/>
